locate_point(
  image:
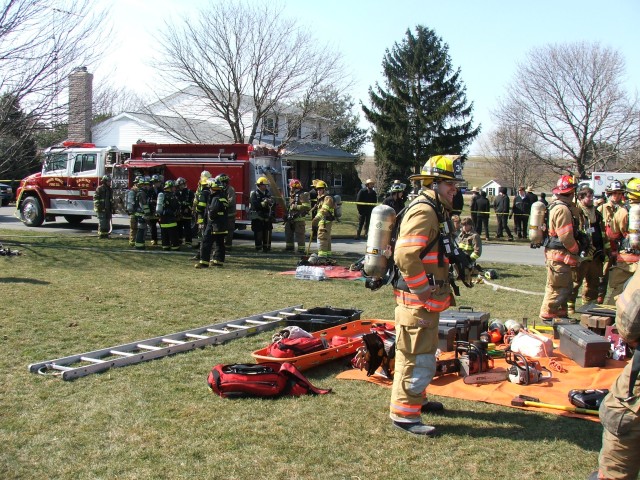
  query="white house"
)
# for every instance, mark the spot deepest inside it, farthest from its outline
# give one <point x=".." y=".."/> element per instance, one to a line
<point x="492" y="187"/>
<point x="186" y="117"/>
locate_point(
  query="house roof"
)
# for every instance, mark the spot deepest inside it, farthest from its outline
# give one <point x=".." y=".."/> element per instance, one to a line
<point x="188" y="130"/>
<point x="318" y="152"/>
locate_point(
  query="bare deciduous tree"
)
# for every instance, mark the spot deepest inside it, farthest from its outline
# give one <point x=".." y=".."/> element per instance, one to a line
<point x="248" y="61"/>
<point x="570" y="99"/>
<point x="508" y="148"/>
<point x="41" y="42"/>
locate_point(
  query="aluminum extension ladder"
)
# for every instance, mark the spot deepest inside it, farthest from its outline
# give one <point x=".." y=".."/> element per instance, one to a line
<point x="76" y="366"/>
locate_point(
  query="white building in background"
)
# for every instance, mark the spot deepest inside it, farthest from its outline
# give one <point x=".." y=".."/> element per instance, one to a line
<point x="186" y="117"/>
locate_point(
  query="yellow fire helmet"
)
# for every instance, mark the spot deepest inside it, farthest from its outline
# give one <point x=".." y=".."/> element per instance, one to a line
<point x="320" y="184"/>
<point x="262" y="181"/>
<point x="441" y="167"/>
<point x="633" y="189"/>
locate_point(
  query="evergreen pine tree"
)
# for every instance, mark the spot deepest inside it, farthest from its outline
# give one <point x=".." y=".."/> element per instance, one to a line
<point x="18" y="152"/>
<point x="423" y="110"/>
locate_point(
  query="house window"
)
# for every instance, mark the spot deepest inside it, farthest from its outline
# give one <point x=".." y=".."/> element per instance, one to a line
<point x="491" y="191"/>
<point x="295" y="129"/>
<point x="269" y="126"/>
<point x="85" y="162"/>
<point x="337" y="180"/>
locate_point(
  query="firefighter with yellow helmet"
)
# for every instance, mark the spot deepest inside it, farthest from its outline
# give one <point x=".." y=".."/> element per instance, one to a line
<point x="324" y="219"/>
<point x="299" y="206"/>
<point x="261" y="212"/>
<point x="625" y="236"/>
<point x="562" y="251"/>
<point x="422" y="291"/>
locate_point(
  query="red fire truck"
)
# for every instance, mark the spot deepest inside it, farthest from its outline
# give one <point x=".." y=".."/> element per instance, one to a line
<point x="67" y="183"/>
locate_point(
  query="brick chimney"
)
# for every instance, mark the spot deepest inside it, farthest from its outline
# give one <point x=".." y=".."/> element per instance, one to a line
<point x="80" y="100"/>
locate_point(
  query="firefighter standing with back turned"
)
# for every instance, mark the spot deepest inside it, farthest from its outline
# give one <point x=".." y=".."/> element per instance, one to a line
<point x="561" y="250"/>
<point x="423" y="293"/>
<point x="261" y="203"/>
<point x="103" y="206"/>
<point x="216" y="229"/>
<point x="142" y="213"/>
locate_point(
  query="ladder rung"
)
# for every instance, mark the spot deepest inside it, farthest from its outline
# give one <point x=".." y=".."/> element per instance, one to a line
<point x="62" y="368"/>
<point x="122" y="354"/>
<point x="92" y="360"/>
<point x="300" y="309"/>
<point x="256" y="322"/>
<point x="268" y="317"/>
<point x="287" y="314"/>
<point x="195" y="335"/>
<point x="239" y="327"/>
<point x="148" y="347"/>
<point x="173" y="342"/>
<point x="215" y="330"/>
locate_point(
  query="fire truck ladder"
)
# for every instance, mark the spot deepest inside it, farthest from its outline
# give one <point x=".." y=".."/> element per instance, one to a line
<point x="76" y="366"/>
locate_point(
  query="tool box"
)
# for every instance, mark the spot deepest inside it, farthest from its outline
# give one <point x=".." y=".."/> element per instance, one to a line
<point x="344" y="340"/>
<point x="478" y="322"/>
<point x="586" y="348"/>
<point x="450" y="330"/>
<point x="320" y="318"/>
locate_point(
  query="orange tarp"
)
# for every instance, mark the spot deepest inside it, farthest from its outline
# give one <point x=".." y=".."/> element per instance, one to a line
<point x="554" y="391"/>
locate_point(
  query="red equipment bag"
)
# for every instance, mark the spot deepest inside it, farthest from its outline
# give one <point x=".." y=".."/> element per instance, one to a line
<point x="287" y="347"/>
<point x="270" y="379"/>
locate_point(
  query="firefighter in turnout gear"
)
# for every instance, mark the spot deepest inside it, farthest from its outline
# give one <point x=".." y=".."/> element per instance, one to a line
<point x="299" y="206"/>
<point x="201" y="200"/>
<point x="469" y="241"/>
<point x="152" y="194"/>
<point x="422" y="292"/>
<point x="185" y="217"/>
<point x="199" y="206"/>
<point x="261" y="205"/>
<point x="589" y="270"/>
<point x="216" y="229"/>
<point x="168" y="210"/>
<point x="620" y="409"/>
<point x="562" y="250"/>
<point x="103" y="206"/>
<point x="324" y="219"/>
<point x="132" y="194"/>
<point x="142" y="212"/>
<point x="625" y="238"/>
<point x="230" y="192"/>
<point x="615" y="194"/>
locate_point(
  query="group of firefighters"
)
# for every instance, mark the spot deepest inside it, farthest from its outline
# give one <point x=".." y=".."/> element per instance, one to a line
<point x="597" y="248"/>
<point x="213" y="205"/>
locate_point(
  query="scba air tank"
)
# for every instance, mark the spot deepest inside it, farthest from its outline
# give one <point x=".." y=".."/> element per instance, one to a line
<point x="130" y="201"/>
<point x="160" y="204"/>
<point x="536" y="223"/>
<point x="383" y="219"/>
<point x="337" y="206"/>
<point x="634" y="226"/>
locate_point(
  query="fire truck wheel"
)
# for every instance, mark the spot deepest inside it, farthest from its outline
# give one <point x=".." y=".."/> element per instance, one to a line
<point x="32" y="212"/>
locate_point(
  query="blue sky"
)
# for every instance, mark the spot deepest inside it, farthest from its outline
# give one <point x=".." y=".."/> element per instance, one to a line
<point x="486" y="38"/>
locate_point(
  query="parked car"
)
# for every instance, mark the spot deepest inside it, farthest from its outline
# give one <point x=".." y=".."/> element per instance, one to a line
<point x="6" y="194"/>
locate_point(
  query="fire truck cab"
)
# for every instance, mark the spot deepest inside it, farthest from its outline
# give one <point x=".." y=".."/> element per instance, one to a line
<point x="70" y="174"/>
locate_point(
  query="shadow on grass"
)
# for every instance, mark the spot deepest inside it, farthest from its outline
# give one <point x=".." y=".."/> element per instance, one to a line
<point x="519" y="425"/>
<point x="32" y="281"/>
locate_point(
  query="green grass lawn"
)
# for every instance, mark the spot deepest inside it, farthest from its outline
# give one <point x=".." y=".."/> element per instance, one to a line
<point x="67" y="295"/>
